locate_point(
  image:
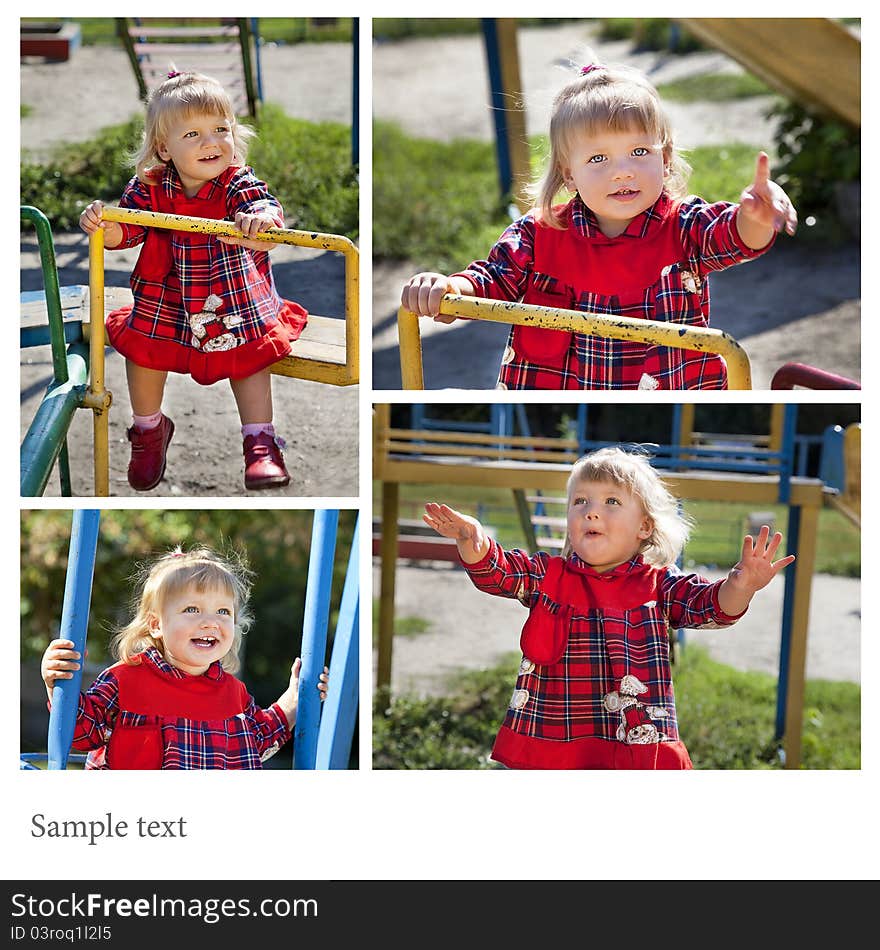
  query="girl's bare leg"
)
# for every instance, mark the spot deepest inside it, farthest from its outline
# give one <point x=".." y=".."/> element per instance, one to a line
<point x="253" y="396"/>
<point x="146" y="387"/>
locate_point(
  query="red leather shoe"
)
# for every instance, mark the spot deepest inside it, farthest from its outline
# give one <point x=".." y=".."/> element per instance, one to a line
<point x="148" y="448"/>
<point x="263" y="462"/>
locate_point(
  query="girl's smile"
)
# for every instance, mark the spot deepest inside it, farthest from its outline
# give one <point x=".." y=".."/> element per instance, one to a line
<point x="618" y="175"/>
<point x="201" y="148"/>
<point x="195" y="628"/>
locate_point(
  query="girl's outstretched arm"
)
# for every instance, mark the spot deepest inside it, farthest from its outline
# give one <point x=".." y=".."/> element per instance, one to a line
<point x="423" y="293"/>
<point x="764" y="208"/>
<point x="60" y="662"/>
<point x="469" y="535"/>
<point x="754" y="571"/>
<point x="289" y="699"/>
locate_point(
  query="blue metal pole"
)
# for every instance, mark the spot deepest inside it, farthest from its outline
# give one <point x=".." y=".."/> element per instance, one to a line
<point x="789" y="431"/>
<point x="355" y="92"/>
<point x="788" y="599"/>
<point x="314" y="638"/>
<point x="499" y="105"/>
<point x="341" y="706"/>
<point x="74" y="626"/>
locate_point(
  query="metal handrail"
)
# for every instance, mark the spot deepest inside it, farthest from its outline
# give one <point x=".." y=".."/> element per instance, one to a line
<point x="315" y="239"/>
<point x="674" y="335"/>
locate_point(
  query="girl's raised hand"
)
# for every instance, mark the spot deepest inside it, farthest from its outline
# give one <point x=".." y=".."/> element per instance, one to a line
<point x="756" y="567"/>
<point x="467" y="532"/>
<point x="764" y="204"/>
<point x="60" y="662"/>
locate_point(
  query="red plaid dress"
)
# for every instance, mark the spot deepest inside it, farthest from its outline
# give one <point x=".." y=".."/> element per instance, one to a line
<point x="599" y="695"/>
<point x="657" y="269"/>
<point x="150" y="715"/>
<point x="200" y="306"/>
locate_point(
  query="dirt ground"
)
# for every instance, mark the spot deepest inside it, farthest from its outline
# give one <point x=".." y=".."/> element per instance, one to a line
<point x="799" y="303"/>
<point x="318" y="422"/>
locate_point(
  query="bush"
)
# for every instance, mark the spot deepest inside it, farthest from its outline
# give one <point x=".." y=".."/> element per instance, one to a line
<point x="816" y="156"/>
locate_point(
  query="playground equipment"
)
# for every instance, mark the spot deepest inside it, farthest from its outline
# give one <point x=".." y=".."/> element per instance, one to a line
<point x="55" y="40"/>
<point x="816" y="61"/>
<point x="677" y="336"/>
<point x="427" y="457"/>
<point x="225" y="48"/>
<point x="322" y="737"/>
<point x="327" y="351"/>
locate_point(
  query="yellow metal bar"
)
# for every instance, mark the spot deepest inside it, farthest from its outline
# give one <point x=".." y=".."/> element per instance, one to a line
<point x="797" y="657"/>
<point x="777" y="418"/>
<point x="98" y="399"/>
<point x="674" y="335"/>
<point x="473" y="438"/>
<point x="300" y="368"/>
<point x="536" y="455"/>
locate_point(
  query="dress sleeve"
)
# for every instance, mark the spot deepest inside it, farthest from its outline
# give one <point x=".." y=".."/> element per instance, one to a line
<point x="509" y="573"/>
<point x="136" y="196"/>
<point x="96" y="713"/>
<point x="505" y="274"/>
<point x="246" y="193"/>
<point x="269" y="727"/>
<point x="690" y="600"/>
<point x="709" y="232"/>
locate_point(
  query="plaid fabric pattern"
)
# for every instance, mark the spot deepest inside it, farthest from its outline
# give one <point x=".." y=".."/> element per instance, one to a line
<point x="673" y="246"/>
<point x="240" y="740"/>
<point x="627" y="636"/>
<point x="202" y="265"/>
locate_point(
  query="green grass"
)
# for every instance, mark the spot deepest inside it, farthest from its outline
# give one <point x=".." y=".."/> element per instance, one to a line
<point x="307" y="166"/>
<point x="716" y="539"/>
<point x="102" y="30"/>
<point x="403" y="626"/>
<point x="726" y="719"/>
<point x="400" y="28"/>
<point x="717" y="87"/>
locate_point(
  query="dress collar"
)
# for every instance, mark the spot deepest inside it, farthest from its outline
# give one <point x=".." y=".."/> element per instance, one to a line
<point x="155" y="658"/>
<point x="173" y="187"/>
<point x="586" y="225"/>
<point x="633" y="564"/>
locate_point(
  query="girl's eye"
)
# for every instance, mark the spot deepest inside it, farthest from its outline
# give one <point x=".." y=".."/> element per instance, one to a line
<point x="612" y="501"/>
<point x="191" y="609"/>
<point x="640" y="151"/>
<point x="579" y="501"/>
<point x="225" y="611"/>
<point x="595" y="159"/>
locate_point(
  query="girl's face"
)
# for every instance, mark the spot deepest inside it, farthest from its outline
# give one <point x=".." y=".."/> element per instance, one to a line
<point x="196" y="627"/>
<point x="201" y="147"/>
<point x="606" y="524"/>
<point x="617" y="174"/>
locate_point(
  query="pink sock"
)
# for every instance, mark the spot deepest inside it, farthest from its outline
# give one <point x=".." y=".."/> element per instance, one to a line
<point x="255" y="428"/>
<point x="147" y="422"/>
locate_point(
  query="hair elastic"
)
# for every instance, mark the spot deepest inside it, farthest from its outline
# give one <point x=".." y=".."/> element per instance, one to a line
<point x="591" y="67"/>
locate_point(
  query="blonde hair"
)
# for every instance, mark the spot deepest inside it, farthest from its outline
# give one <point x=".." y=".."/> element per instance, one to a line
<point x="180" y="96"/>
<point x="168" y="575"/>
<point x="670" y="527"/>
<point x="615" y="98"/>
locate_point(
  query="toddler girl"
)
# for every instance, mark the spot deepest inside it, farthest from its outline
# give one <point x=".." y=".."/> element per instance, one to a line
<point x="203" y="305"/>
<point x="627" y="244"/>
<point x="171" y="702"/>
<point x="594" y="689"/>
